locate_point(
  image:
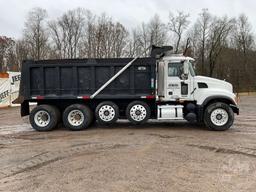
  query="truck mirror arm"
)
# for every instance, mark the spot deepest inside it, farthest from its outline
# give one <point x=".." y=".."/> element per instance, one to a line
<point x="184" y="76"/>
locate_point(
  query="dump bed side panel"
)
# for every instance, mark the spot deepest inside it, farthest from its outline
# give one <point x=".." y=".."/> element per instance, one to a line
<point x="70" y="79"/>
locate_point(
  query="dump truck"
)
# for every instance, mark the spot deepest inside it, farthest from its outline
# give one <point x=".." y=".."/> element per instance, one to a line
<point x="164" y="86"/>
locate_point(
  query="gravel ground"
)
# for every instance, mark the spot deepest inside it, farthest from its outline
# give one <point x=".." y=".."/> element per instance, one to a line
<point x="163" y="156"/>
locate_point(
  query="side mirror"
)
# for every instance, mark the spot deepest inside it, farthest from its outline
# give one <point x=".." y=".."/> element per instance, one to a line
<point x="184" y="75"/>
<point x="186" y="68"/>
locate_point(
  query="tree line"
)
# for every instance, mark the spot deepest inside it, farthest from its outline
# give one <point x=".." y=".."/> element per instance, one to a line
<point x="223" y="47"/>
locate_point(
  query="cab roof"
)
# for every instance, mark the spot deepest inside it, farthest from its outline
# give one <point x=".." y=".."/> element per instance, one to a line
<point x="178" y="57"/>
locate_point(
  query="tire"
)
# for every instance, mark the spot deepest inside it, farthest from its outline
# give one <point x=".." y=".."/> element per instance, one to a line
<point x="57" y="111"/>
<point x="77" y="117"/>
<point x="218" y="116"/>
<point x="138" y="112"/>
<point x="107" y="113"/>
<point x="44" y="118"/>
<point x="94" y="120"/>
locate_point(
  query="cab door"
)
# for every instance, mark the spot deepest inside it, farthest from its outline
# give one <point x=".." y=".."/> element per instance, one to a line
<point x="179" y="81"/>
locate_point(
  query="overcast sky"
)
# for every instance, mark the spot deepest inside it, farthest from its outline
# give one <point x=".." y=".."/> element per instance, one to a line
<point x="129" y="12"/>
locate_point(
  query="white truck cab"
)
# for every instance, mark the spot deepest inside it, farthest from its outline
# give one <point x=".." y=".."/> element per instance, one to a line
<point x="180" y="88"/>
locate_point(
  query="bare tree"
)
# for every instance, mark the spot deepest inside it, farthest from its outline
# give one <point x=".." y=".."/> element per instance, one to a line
<point x="134" y="44"/>
<point x="243" y="36"/>
<point x="22" y="52"/>
<point x="7" y="46"/>
<point x="35" y="33"/>
<point x="220" y="29"/>
<point x="177" y="25"/>
<point x="144" y="38"/>
<point x="88" y="42"/>
<point x="225" y="50"/>
<point x="57" y="37"/>
<point x="152" y="33"/>
<point x="67" y="33"/>
<point x="119" y="40"/>
<point x="104" y="38"/>
<point x="243" y="42"/>
<point x="110" y="37"/>
<point x="201" y="38"/>
<point x="157" y="31"/>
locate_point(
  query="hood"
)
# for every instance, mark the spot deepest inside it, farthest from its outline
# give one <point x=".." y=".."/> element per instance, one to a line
<point x="214" y="83"/>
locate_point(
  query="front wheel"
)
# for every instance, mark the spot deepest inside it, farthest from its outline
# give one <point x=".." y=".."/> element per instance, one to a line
<point x="218" y="116"/>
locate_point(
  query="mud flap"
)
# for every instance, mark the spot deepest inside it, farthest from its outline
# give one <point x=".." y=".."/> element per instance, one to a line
<point x="24" y="109"/>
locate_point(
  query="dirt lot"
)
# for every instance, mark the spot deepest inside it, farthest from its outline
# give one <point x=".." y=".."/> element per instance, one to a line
<point x="154" y="157"/>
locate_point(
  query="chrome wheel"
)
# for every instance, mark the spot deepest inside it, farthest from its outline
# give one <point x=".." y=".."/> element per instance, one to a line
<point x="42" y="118"/>
<point x="107" y="113"/>
<point x="219" y="117"/>
<point x="138" y="112"/>
<point x="75" y="117"/>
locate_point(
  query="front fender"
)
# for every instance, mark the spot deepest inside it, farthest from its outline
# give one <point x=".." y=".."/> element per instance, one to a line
<point x="218" y="98"/>
<point x="203" y="96"/>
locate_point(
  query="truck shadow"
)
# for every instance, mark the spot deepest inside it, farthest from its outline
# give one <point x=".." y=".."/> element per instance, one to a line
<point x="150" y="125"/>
<point x="155" y="125"/>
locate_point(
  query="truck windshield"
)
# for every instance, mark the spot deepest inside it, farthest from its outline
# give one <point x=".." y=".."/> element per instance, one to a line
<point x="191" y="69"/>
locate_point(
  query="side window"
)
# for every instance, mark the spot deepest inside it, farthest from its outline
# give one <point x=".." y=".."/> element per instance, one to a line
<point x="175" y="69"/>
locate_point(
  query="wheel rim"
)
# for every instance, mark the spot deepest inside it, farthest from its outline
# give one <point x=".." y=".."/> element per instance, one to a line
<point x="42" y="118"/>
<point x="75" y="117"/>
<point x="138" y="112"/>
<point x="219" y="117"/>
<point x="107" y="113"/>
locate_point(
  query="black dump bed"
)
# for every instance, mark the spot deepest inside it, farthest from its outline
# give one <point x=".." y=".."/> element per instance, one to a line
<point x="76" y="78"/>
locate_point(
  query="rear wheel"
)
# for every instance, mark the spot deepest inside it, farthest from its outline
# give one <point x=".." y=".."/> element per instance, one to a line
<point x="44" y="117"/>
<point x="57" y="111"/>
<point x="218" y="116"/>
<point x="77" y="117"/>
<point x="138" y="112"/>
<point x="107" y="113"/>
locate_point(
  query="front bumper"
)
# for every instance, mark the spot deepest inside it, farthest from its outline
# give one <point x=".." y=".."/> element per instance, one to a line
<point x="234" y="108"/>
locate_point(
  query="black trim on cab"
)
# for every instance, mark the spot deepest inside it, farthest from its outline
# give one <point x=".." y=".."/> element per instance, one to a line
<point x="202" y="85"/>
<point x="219" y="98"/>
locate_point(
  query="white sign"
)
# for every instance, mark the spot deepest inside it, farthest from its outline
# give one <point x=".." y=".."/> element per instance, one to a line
<point x="14" y="78"/>
<point x="9" y="89"/>
<point x="4" y="92"/>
